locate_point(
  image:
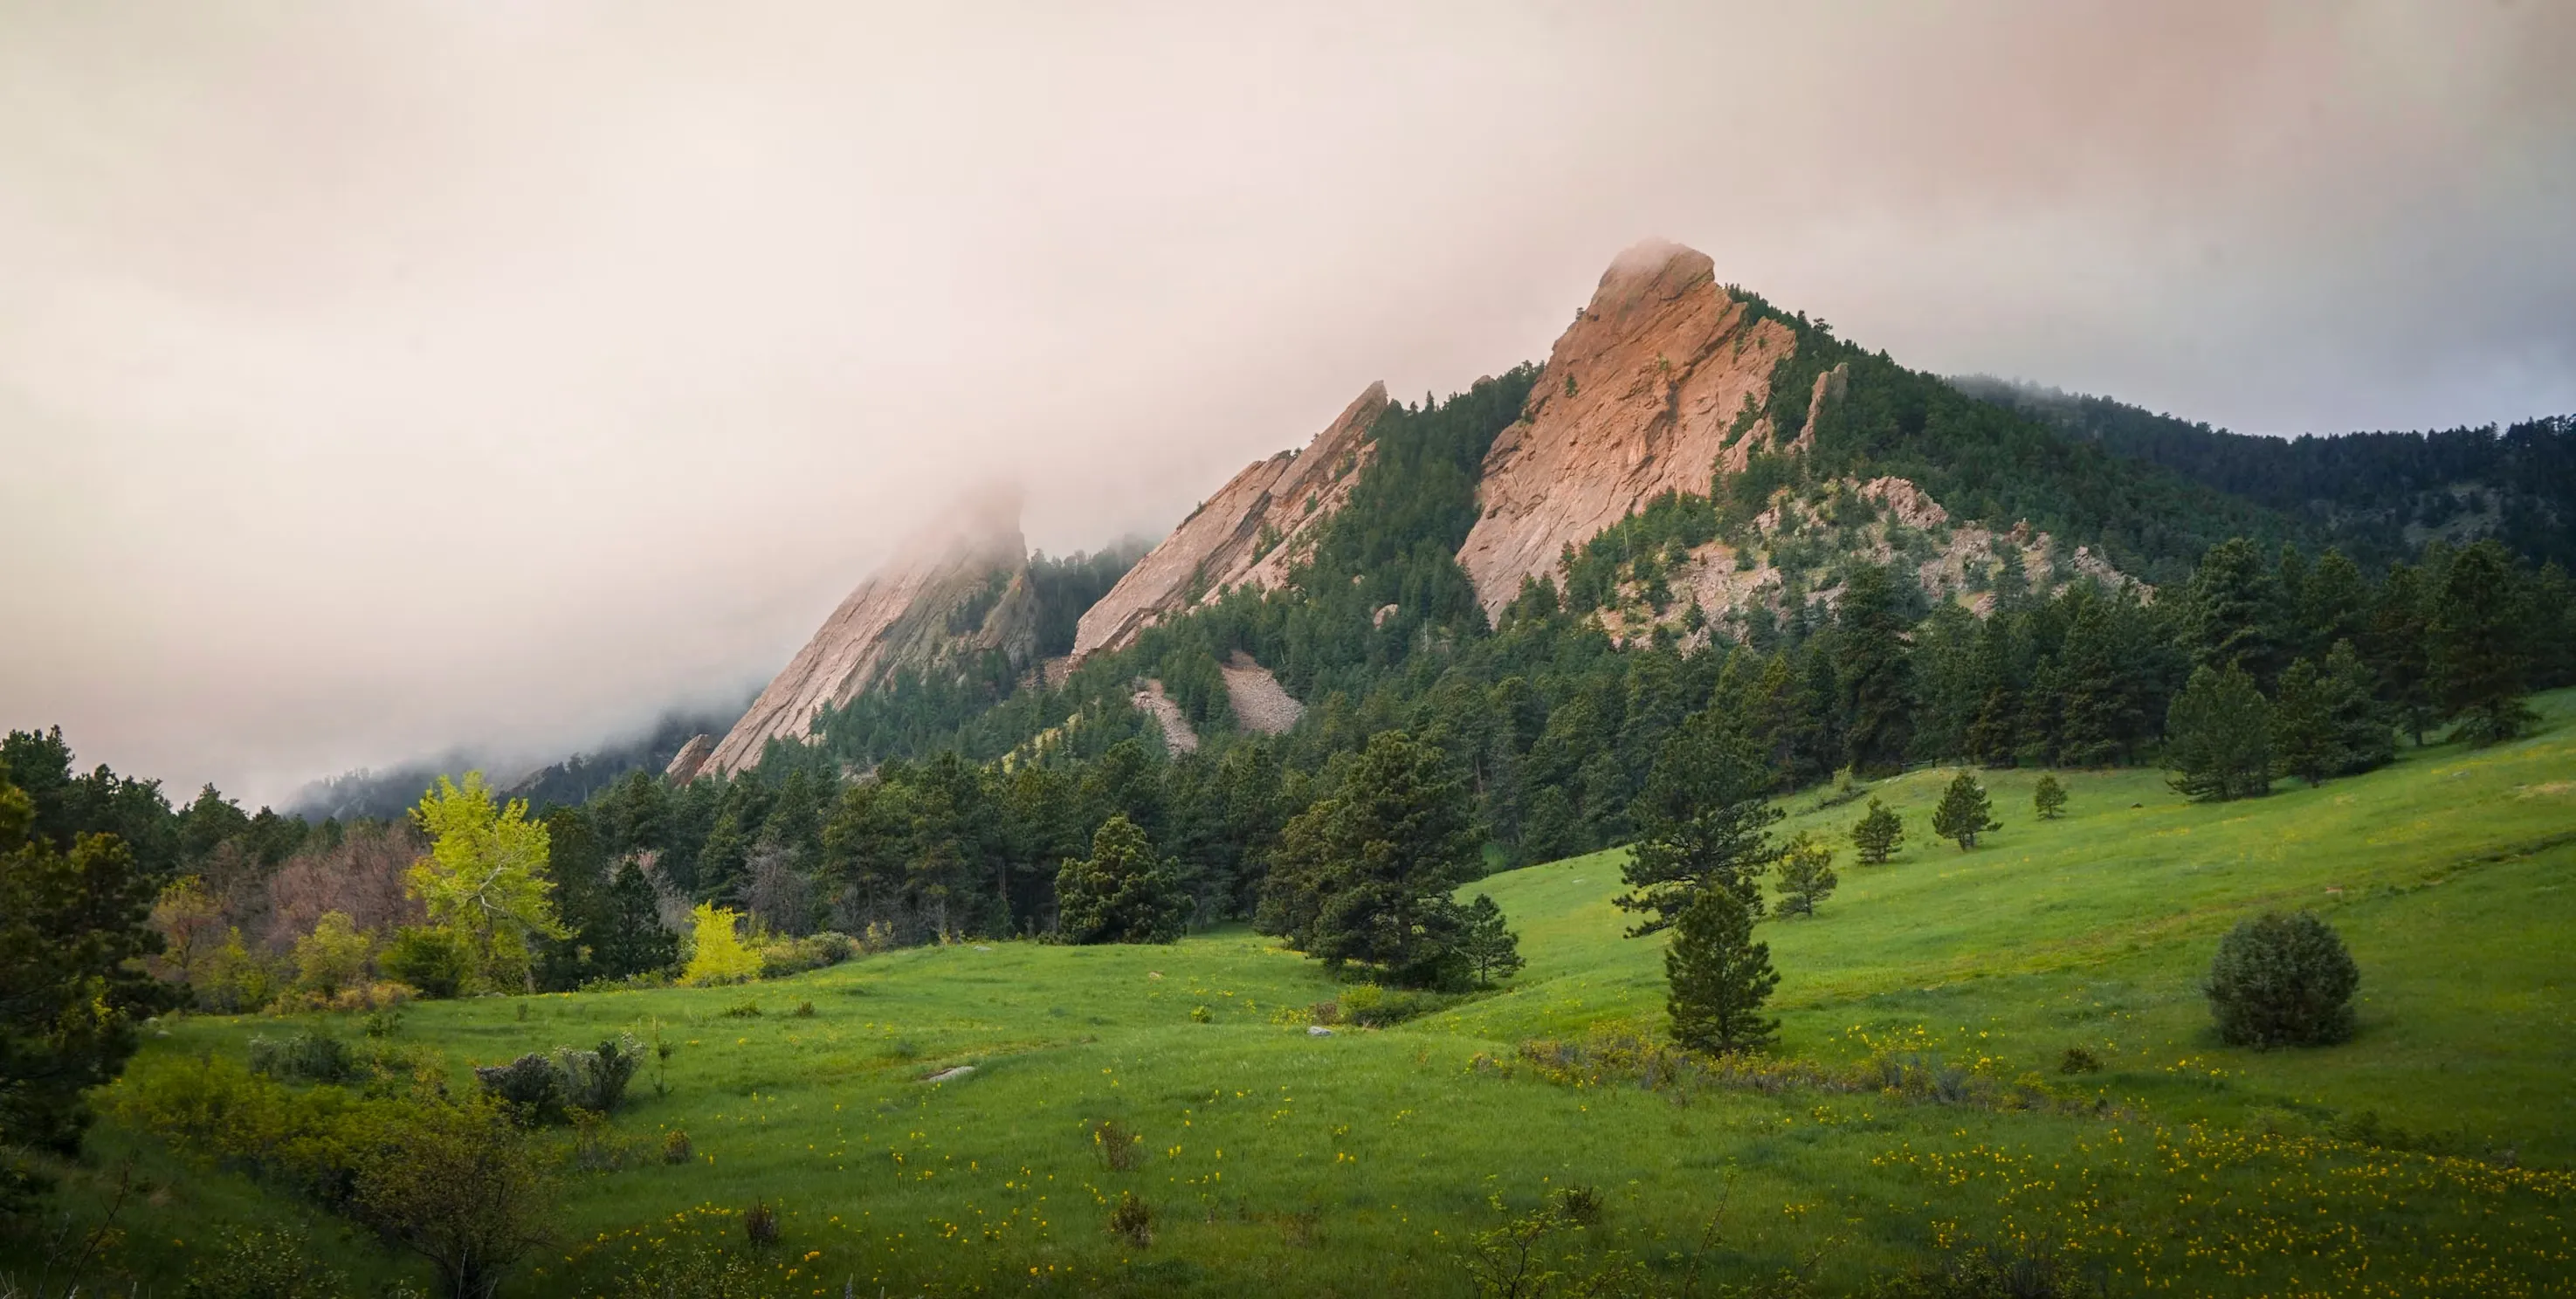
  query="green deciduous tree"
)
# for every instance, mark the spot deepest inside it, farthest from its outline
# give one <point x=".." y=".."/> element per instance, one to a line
<point x="485" y="876"/>
<point x="2218" y="737"/>
<point x="1965" y="812"/>
<point x="1123" y="892"/>
<point x="1718" y="976"/>
<point x="1704" y="823"/>
<point x="717" y="953"/>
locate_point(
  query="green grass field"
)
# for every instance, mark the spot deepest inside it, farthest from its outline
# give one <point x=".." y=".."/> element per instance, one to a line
<point x="1361" y="1163"/>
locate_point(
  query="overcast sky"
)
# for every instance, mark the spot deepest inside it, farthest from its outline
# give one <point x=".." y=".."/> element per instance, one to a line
<point x="379" y="378"/>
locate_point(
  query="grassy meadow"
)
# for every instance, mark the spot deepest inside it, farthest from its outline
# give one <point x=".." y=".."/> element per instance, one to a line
<point x="2426" y="1157"/>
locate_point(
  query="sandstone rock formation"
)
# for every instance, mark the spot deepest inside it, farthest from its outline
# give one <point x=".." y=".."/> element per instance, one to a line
<point x="959" y="591"/>
<point x="1246" y="535"/>
<point x="1653" y="384"/>
<point x="692" y="755"/>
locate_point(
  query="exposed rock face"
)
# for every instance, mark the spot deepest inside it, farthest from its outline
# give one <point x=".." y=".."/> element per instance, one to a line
<point x="692" y="755"/>
<point x="955" y="593"/>
<point x="1246" y="535"/>
<point x="1261" y="704"/>
<point x="1645" y="393"/>
<point x="1177" y="735"/>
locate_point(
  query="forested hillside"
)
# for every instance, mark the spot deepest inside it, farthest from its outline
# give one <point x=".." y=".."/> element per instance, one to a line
<point x="2378" y="496"/>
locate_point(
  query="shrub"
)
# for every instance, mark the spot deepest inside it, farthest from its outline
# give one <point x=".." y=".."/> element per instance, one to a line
<point x="717" y="955"/>
<point x="265" y="1265"/>
<point x="1116" y="1145"/>
<point x="461" y="1189"/>
<point x="746" y="1010"/>
<point x="676" y="1147"/>
<point x="382" y="1023"/>
<point x="2079" y="1059"/>
<point x="596" y="1080"/>
<point x="1878" y="835"/>
<point x="2282" y="980"/>
<point x="1580" y="1205"/>
<point x="804" y="1010"/>
<point x="436" y="961"/>
<point x="332" y="957"/>
<point x="1201" y="1015"/>
<point x="1132" y="1220"/>
<point x="530" y="1086"/>
<point x="783" y="957"/>
<point x="760" y="1223"/>
<point x="2048" y="798"/>
<point x="307" y="1056"/>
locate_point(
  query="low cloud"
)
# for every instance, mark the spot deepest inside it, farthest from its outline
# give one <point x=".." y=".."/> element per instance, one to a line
<point x="384" y="379"/>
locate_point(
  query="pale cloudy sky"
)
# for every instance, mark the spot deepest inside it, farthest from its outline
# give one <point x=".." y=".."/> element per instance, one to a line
<point x="378" y="378"/>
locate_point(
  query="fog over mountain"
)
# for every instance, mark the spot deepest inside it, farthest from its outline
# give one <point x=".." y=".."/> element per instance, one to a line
<point x="381" y="379"/>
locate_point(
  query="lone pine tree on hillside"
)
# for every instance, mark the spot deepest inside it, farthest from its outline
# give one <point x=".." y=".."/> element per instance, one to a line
<point x="2283" y="980"/>
<point x="2219" y="737"/>
<point x="1704" y="822"/>
<point x="1806" y="875"/>
<point x="1718" y="976"/>
<point x="1878" y="835"/>
<point x="1964" y="813"/>
<point x="1492" y="951"/>
<point x="1123" y="893"/>
<point x="1366" y="874"/>
<point x="2049" y="798"/>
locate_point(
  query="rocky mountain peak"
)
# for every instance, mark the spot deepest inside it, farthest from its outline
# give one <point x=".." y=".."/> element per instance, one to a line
<point x="959" y="589"/>
<point x="1660" y="377"/>
<point x="1248" y="534"/>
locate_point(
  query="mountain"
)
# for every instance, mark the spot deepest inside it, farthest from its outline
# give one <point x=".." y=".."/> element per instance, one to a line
<point x="1659" y="379"/>
<point x="2379" y="496"/>
<point x="955" y="595"/>
<point x="1247" y="535"/>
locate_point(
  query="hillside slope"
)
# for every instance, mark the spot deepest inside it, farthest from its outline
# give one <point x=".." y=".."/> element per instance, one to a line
<point x="1277" y="1161"/>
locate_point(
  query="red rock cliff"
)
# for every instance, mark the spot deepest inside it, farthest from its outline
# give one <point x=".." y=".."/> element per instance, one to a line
<point x="1641" y="396"/>
<point x="962" y="590"/>
<point x="1247" y="534"/>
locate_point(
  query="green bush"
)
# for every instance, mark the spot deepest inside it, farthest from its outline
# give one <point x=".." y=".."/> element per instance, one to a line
<point x="2282" y="980"/>
<point x="783" y="957"/>
<point x="307" y="1057"/>
<point x="530" y="1086"/>
<point x="436" y="961"/>
<point x="596" y="1080"/>
<point x="261" y="1264"/>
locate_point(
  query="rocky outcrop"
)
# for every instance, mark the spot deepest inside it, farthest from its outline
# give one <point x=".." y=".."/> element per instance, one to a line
<point x="954" y="594"/>
<point x="1177" y="735"/>
<point x="1248" y="534"/>
<point x="1261" y="704"/>
<point x="1658" y="379"/>
<point x="692" y="755"/>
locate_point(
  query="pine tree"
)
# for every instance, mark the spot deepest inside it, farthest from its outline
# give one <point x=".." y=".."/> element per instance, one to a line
<point x="1704" y="823"/>
<point x="2236" y="614"/>
<point x="2396" y="651"/>
<point x="1964" y="812"/>
<point x="2219" y="738"/>
<point x="1492" y="951"/>
<point x="2480" y="655"/>
<point x="1806" y="874"/>
<point x="1878" y="835"/>
<point x="1875" y="674"/>
<point x="2361" y="728"/>
<point x="2049" y="798"/>
<point x="1123" y="893"/>
<point x="2097" y="709"/>
<point x="1718" y="976"/>
<point x="2334" y="603"/>
<point x="1366" y="874"/>
<point x="2303" y="736"/>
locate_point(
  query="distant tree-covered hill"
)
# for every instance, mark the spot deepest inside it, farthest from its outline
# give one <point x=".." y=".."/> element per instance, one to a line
<point x="2378" y="496"/>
